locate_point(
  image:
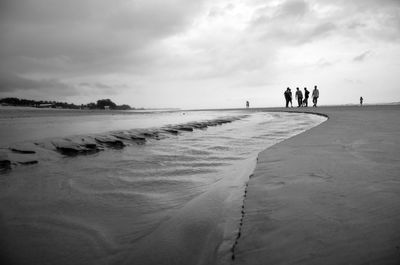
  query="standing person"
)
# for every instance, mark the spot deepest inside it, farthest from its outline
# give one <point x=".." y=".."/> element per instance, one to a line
<point x="315" y="96"/>
<point x="361" y="101"/>
<point x="247" y="104"/>
<point x="306" y="96"/>
<point x="288" y="96"/>
<point x="299" y="96"/>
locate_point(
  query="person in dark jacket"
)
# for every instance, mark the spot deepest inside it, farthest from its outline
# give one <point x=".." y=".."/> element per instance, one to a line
<point x="287" y="96"/>
<point x="299" y="96"/>
<point x="306" y="96"/>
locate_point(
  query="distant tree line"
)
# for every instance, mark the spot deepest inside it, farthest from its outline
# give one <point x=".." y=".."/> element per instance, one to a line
<point x="100" y="104"/>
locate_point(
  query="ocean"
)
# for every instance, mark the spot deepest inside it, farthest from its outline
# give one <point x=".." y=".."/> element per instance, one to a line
<point x="161" y="187"/>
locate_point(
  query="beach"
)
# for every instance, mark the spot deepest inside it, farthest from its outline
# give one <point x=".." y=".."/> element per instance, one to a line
<point x="330" y="195"/>
<point x="130" y="188"/>
<point x="258" y="186"/>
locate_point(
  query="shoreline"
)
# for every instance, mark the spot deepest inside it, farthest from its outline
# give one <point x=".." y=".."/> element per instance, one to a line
<point x="309" y="199"/>
<point x="28" y="112"/>
<point x="246" y="187"/>
<point x="200" y="232"/>
<point x="209" y="225"/>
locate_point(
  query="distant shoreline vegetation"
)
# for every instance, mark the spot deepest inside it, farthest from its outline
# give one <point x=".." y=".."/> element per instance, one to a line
<point x="100" y="104"/>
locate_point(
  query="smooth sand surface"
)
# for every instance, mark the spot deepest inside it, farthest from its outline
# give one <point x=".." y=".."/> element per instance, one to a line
<point x="330" y="195"/>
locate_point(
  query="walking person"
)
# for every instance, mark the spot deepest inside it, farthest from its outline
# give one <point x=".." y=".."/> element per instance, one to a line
<point x="361" y="101"/>
<point x="288" y="96"/>
<point x="299" y="96"/>
<point x="315" y="96"/>
<point x="306" y="96"/>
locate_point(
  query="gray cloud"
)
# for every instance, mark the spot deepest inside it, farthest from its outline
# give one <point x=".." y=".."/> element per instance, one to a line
<point x="362" y="56"/>
<point x="355" y="25"/>
<point x="296" y="8"/>
<point x="291" y="23"/>
<point x="323" y="63"/>
<point x="220" y="11"/>
<point x="374" y="19"/>
<point x="322" y="29"/>
<point x="87" y="36"/>
<point x="300" y="21"/>
<point x="140" y="47"/>
<point x="9" y="82"/>
<point x="96" y="85"/>
<point x="94" y="88"/>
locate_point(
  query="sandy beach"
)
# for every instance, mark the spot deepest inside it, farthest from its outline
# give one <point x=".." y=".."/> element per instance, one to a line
<point x="327" y="195"/>
<point x="150" y="188"/>
<point x="330" y="195"/>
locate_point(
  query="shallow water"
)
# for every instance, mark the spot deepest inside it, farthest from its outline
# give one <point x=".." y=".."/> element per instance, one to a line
<point x="171" y="201"/>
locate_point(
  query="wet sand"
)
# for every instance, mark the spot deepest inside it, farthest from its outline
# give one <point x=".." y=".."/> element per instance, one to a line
<point x="330" y="195"/>
<point x="166" y="194"/>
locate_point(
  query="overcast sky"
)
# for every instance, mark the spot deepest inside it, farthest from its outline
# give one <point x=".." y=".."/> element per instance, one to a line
<point x="199" y="53"/>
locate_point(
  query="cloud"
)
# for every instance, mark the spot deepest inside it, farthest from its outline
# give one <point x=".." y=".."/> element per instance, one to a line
<point x="362" y="56"/>
<point x="296" y="8"/>
<point x="291" y="23"/>
<point x="323" y="63"/>
<point x="88" y="35"/>
<point x="323" y="29"/>
<point x="96" y="88"/>
<point x="140" y="48"/>
<point x="301" y="22"/>
<point x="96" y="85"/>
<point x="370" y="20"/>
<point x="10" y="83"/>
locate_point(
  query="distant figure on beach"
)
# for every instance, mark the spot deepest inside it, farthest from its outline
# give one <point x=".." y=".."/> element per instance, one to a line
<point x="299" y="96"/>
<point x="288" y="97"/>
<point x="315" y="96"/>
<point x="306" y="96"/>
<point x="361" y="101"/>
<point x="247" y="104"/>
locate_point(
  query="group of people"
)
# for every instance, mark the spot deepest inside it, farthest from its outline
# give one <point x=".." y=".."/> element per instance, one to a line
<point x="301" y="101"/>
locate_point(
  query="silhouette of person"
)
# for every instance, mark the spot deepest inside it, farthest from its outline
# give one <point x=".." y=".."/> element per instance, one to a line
<point x="361" y="101"/>
<point x="288" y="97"/>
<point x="247" y="104"/>
<point x="315" y="96"/>
<point x="299" y="96"/>
<point x="306" y="96"/>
